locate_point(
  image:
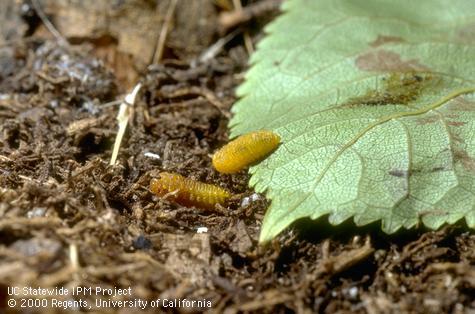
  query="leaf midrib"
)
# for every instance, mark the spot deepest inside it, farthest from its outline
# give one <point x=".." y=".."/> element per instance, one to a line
<point x="397" y="115"/>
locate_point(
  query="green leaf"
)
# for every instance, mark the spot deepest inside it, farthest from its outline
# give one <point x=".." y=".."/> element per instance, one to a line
<point x="375" y="104"/>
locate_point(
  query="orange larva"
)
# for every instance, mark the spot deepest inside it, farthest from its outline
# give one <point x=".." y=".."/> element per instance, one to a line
<point x="245" y="150"/>
<point x="188" y="192"/>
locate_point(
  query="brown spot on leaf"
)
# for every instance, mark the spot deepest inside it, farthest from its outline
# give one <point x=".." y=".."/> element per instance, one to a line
<point x="437" y="169"/>
<point x="465" y="159"/>
<point x="427" y="120"/>
<point x="452" y="116"/>
<point x="386" y="61"/>
<point x="405" y="173"/>
<point x="461" y="104"/>
<point x="382" y="39"/>
<point x="432" y="119"/>
<point x="398" y="173"/>
<point x="455" y="123"/>
<point x="433" y="212"/>
<point x="398" y="88"/>
<point x="467" y="33"/>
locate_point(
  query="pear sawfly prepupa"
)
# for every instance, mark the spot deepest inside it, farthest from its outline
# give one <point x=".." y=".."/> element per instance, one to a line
<point x="245" y="150"/>
<point x="188" y="192"/>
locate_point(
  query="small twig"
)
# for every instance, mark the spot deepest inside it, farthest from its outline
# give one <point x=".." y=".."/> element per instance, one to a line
<point x="346" y="260"/>
<point x="465" y="270"/>
<point x="228" y="20"/>
<point x="247" y="38"/>
<point x="332" y="265"/>
<point x="5" y="158"/>
<point x="73" y="256"/>
<point x="248" y="43"/>
<point x="125" y="112"/>
<point x="74" y="260"/>
<point x="164" y="32"/>
<point x="425" y="240"/>
<point x="202" y="91"/>
<point x="216" y="48"/>
<point x="111" y="103"/>
<point x="52" y="80"/>
<point x="237" y="5"/>
<point x="48" y="24"/>
<point x="112" y="269"/>
<point x="23" y="223"/>
<point x="268" y="298"/>
<point x="50" y="181"/>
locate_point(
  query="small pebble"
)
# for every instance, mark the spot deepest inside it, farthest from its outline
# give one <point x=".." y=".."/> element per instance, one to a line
<point x="202" y="230"/>
<point x="353" y="293"/>
<point x="246" y="201"/>
<point x="152" y="155"/>
<point x="142" y="243"/>
<point x="36" y="212"/>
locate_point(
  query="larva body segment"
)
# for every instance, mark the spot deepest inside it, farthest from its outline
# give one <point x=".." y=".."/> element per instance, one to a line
<point x="188" y="192"/>
<point x="245" y="150"/>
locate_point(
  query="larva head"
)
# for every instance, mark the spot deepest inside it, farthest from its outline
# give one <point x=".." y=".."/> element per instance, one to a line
<point x="160" y="186"/>
<point x="156" y="187"/>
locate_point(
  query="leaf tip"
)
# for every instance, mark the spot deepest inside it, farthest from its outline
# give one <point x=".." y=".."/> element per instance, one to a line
<point x="271" y="228"/>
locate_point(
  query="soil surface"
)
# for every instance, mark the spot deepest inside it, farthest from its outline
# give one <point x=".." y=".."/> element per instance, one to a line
<point x="69" y="219"/>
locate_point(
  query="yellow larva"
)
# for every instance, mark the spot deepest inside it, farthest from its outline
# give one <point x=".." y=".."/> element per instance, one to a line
<point x="245" y="150"/>
<point x="188" y="192"/>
